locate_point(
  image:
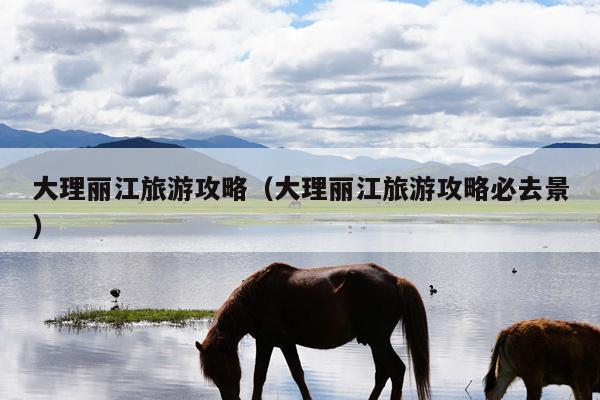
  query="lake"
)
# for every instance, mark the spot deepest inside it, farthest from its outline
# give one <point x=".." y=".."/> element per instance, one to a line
<point x="477" y="296"/>
<point x="267" y="233"/>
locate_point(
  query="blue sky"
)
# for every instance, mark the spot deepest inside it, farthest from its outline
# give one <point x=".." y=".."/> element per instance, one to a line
<point x="302" y="8"/>
<point x="358" y="74"/>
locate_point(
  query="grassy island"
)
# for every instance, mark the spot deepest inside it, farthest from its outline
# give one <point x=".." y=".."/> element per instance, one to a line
<point x="121" y="317"/>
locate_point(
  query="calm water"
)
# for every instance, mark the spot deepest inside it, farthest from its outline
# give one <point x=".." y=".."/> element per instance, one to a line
<point x="477" y="296"/>
<point x="187" y="233"/>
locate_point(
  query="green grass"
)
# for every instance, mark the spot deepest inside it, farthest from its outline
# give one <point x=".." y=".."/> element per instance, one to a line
<point x="119" y="318"/>
<point x="67" y="214"/>
<point x="259" y="206"/>
<point x="364" y="219"/>
<point x="84" y="220"/>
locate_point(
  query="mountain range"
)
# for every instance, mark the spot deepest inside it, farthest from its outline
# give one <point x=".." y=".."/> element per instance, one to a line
<point x="224" y="155"/>
<point x="117" y="162"/>
<point x="137" y="143"/>
<point x="55" y="138"/>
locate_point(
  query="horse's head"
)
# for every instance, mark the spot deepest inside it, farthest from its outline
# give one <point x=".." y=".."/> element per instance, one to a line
<point x="220" y="364"/>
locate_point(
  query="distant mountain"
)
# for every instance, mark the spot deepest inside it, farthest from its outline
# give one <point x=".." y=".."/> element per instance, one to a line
<point x="389" y="165"/>
<point x="573" y="146"/>
<point x="279" y="162"/>
<point x="218" y="141"/>
<point x="489" y="166"/>
<point x="587" y="186"/>
<point x="509" y="171"/>
<point x="439" y="170"/>
<point x="579" y="161"/>
<point x="14" y="184"/>
<point x="136" y="143"/>
<point x="570" y="159"/>
<point x="54" y="138"/>
<point x="464" y="167"/>
<point x="139" y="157"/>
<point x="120" y="162"/>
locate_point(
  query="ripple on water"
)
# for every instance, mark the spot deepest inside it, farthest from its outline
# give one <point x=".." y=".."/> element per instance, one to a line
<point x="477" y="296"/>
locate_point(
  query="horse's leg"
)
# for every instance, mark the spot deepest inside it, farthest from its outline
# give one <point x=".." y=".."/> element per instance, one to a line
<point x="394" y="365"/>
<point x="582" y="392"/>
<point x="503" y="380"/>
<point x="263" y="357"/>
<point x="534" y="389"/>
<point x="293" y="361"/>
<point x="381" y="376"/>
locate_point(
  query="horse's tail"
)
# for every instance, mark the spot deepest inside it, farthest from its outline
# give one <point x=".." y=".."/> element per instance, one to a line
<point x="414" y="324"/>
<point x="490" y="379"/>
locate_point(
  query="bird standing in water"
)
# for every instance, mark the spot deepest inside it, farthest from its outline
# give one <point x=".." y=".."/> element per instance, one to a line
<point x="432" y="290"/>
<point x="514" y="271"/>
<point x="115" y="293"/>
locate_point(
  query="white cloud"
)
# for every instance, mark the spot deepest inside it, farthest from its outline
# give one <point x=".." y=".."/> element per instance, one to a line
<point x="146" y="82"/>
<point x="368" y="72"/>
<point x="73" y="73"/>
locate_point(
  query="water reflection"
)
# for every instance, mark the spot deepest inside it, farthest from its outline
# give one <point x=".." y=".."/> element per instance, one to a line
<point x="212" y="234"/>
<point x="477" y="295"/>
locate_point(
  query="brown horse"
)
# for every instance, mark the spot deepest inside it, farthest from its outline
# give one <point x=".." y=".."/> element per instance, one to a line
<point x="542" y="353"/>
<point x="283" y="306"/>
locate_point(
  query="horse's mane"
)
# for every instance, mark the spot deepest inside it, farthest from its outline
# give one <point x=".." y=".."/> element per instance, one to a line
<point x="243" y="297"/>
<point x="233" y="319"/>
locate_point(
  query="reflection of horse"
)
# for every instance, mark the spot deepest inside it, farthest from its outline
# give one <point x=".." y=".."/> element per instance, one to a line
<point x="282" y="306"/>
<point x="542" y="353"/>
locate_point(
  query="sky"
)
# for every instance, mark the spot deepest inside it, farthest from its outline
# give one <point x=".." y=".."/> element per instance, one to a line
<point x="361" y="73"/>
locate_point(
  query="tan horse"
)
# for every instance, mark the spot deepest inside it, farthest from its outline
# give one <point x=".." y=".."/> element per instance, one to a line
<point x="543" y="353"/>
<point x="282" y="306"/>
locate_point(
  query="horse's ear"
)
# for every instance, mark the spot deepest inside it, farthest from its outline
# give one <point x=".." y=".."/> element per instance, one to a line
<point x="198" y="346"/>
